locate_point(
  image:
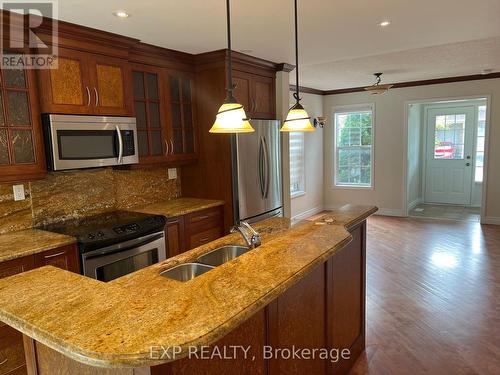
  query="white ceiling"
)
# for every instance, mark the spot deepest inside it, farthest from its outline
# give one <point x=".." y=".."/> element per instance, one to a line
<point x="341" y="43"/>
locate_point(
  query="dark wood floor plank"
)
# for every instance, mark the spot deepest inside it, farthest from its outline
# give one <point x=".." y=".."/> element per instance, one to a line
<point x="433" y="298"/>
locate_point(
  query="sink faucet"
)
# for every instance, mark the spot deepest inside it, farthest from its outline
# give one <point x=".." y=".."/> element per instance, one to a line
<point x="251" y="236"/>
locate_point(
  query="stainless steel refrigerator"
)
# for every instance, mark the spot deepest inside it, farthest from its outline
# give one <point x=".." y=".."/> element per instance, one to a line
<point x="257" y="182"/>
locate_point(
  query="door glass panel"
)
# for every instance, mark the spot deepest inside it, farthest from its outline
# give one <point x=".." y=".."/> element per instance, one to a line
<point x="125" y="266"/>
<point x="156" y="143"/>
<point x="154" y="114"/>
<point x="186" y="90"/>
<point x="138" y="85"/>
<point x="152" y="86"/>
<point x="19" y="113"/>
<point x="174" y="89"/>
<point x="142" y="140"/>
<point x="140" y="115"/>
<point x="4" y="151"/>
<point x="188" y="117"/>
<point x="177" y="141"/>
<point x="176" y="116"/>
<point x="449" y="136"/>
<point x="14" y="78"/>
<point x="87" y="144"/>
<point x="22" y="146"/>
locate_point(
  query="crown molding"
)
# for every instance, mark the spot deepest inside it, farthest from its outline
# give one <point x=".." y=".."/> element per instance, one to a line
<point x="307" y="90"/>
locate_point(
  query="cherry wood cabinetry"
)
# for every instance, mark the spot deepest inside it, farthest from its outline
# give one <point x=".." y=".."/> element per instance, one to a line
<point x="12" y="357"/>
<point x="324" y="310"/>
<point x="86" y="83"/>
<point x="256" y="93"/>
<point x="192" y="230"/>
<point x="21" y="144"/>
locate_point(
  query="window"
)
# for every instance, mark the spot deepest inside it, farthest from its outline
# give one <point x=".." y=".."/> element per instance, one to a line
<point x="297" y="161"/>
<point x="481" y="125"/>
<point x="353" y="147"/>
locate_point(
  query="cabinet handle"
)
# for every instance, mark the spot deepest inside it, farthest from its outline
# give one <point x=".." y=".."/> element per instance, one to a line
<point x="88" y="96"/>
<point x="204" y="239"/>
<point x="54" y="255"/>
<point x="172" y="144"/>
<point x="166" y="144"/>
<point x="254" y="105"/>
<point x="4" y="361"/>
<point x="96" y="97"/>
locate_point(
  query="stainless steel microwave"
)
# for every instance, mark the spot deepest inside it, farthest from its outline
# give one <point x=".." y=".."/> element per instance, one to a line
<point x="74" y="142"/>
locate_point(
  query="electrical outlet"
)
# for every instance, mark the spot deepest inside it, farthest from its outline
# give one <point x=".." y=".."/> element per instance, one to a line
<point x="172" y="173"/>
<point x="18" y="192"/>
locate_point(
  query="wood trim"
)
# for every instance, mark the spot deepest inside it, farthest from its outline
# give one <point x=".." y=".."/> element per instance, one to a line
<point x="30" y="353"/>
<point x="307" y="90"/>
<point x="251" y="64"/>
<point x="285" y="67"/>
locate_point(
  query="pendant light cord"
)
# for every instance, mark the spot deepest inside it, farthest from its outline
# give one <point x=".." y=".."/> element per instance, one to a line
<point x="296" y="95"/>
<point x="229" y="55"/>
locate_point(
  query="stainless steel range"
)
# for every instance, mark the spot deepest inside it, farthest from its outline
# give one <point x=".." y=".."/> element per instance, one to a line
<point x="116" y="243"/>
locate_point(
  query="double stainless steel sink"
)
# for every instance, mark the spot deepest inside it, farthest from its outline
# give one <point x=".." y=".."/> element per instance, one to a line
<point x="188" y="271"/>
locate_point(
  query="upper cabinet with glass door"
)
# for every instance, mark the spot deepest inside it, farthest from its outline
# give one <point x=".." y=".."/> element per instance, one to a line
<point x="21" y="145"/>
<point x="86" y="83"/>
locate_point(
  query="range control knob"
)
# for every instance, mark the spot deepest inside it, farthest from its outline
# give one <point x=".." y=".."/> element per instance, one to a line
<point x="100" y="234"/>
<point x="91" y="236"/>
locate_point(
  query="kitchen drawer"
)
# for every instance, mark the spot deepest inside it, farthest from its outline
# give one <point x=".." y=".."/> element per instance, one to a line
<point x="199" y="221"/>
<point x="204" y="237"/>
<point x="15" y="266"/>
<point x="65" y="257"/>
<point x="11" y="351"/>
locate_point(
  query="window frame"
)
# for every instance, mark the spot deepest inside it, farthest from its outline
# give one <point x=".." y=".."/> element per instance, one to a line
<point x="476" y="141"/>
<point x="300" y="192"/>
<point x="345" y="109"/>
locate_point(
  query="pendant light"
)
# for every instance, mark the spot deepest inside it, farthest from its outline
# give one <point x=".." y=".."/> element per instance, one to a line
<point x="231" y="117"/>
<point x="377" y="88"/>
<point x="297" y="119"/>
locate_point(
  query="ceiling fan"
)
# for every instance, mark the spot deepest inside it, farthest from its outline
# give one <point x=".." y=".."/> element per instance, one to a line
<point x="377" y="88"/>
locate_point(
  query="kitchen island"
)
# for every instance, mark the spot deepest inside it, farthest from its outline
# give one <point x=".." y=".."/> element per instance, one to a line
<point x="303" y="286"/>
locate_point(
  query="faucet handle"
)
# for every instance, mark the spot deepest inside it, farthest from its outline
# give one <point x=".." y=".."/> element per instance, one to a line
<point x="249" y="227"/>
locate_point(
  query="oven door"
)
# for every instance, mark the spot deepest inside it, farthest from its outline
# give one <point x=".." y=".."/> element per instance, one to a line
<point x="90" y="141"/>
<point x="117" y="260"/>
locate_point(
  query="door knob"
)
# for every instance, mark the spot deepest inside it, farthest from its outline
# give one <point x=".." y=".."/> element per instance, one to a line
<point x="467" y="164"/>
<point x="468" y="157"/>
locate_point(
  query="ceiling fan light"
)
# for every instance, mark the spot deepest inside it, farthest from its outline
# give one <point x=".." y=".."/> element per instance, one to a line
<point x="231" y="118"/>
<point x="378" y="89"/>
<point x="297" y="120"/>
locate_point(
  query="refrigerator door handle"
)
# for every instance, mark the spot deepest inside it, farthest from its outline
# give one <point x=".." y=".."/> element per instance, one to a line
<point x="267" y="168"/>
<point x="261" y="167"/>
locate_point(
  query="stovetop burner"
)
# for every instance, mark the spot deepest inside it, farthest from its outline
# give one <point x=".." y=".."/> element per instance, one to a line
<point x="109" y="228"/>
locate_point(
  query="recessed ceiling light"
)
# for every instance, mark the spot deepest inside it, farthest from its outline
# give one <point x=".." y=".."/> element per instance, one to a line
<point x="384" y="23"/>
<point x="121" y="14"/>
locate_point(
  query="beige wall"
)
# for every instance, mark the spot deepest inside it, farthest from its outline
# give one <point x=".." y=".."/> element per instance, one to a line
<point x="312" y="200"/>
<point x="390" y="144"/>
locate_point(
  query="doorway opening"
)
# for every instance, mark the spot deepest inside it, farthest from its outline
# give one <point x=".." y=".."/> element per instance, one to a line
<point x="445" y="161"/>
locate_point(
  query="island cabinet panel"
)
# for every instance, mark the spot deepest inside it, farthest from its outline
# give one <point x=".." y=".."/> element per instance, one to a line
<point x="11" y="351"/>
<point x="175" y="236"/>
<point x="297" y="318"/>
<point x="346" y="299"/>
<point x="251" y="333"/>
<point x="65" y="257"/>
<point x="86" y="83"/>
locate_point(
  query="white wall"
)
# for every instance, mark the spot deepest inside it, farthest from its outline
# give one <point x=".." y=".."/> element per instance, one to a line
<point x="414" y="160"/>
<point x="312" y="201"/>
<point x="390" y="149"/>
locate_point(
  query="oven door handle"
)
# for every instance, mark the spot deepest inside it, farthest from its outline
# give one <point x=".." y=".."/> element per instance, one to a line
<point x="124" y="246"/>
<point x="120" y="144"/>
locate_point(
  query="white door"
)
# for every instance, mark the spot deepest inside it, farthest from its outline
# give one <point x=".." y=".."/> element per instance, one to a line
<point x="450" y="141"/>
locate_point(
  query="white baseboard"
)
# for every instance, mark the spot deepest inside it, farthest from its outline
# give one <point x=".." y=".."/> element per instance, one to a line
<point x="490" y="220"/>
<point x="414" y="204"/>
<point x="306" y="214"/>
<point x="390" y="212"/>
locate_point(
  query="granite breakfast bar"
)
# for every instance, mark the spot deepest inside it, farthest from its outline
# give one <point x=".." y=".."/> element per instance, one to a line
<point x="308" y="270"/>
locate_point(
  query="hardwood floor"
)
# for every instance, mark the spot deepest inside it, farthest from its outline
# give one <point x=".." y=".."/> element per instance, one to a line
<point x="433" y="298"/>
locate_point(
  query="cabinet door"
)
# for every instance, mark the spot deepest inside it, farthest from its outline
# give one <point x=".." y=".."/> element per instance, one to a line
<point x="242" y="89"/>
<point x="66" y="89"/>
<point x="15" y="266"/>
<point x="263" y="97"/>
<point x="111" y="84"/>
<point x="11" y="351"/>
<point x="175" y="236"/>
<point x="149" y="111"/>
<point x="65" y="257"/>
<point x="182" y="116"/>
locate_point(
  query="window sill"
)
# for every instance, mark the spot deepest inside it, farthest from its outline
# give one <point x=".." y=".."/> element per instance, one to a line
<point x="297" y="194"/>
<point x="352" y="187"/>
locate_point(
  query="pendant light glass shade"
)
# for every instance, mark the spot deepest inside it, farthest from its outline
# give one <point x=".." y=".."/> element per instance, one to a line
<point x="297" y="120"/>
<point x="231" y="118"/>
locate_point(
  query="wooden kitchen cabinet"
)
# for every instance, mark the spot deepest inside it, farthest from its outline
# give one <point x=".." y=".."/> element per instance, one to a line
<point x="175" y="236"/>
<point x="86" y="83"/>
<point x="256" y="93"/>
<point x="65" y="257"/>
<point x="12" y="360"/>
<point x="15" y="266"/>
<point x="21" y="142"/>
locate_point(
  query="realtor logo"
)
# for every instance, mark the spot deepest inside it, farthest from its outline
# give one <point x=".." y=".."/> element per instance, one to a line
<point x="20" y="44"/>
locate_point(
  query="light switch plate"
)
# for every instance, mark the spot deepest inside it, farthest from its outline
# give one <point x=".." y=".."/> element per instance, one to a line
<point x="172" y="173"/>
<point x="18" y="192"/>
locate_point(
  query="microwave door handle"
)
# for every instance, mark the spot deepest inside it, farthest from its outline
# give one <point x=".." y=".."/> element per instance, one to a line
<point x="120" y="144"/>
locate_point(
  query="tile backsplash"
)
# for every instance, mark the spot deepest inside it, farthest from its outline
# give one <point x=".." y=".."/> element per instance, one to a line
<point x="68" y="195"/>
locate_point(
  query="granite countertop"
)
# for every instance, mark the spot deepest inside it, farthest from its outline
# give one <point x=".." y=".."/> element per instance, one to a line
<point x="115" y="324"/>
<point x="177" y="207"/>
<point x="30" y="241"/>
